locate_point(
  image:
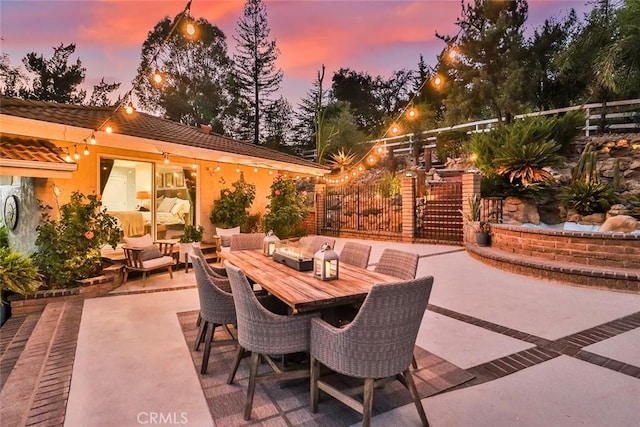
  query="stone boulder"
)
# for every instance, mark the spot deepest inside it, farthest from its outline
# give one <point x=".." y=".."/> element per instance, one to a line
<point x="620" y="223"/>
<point x="517" y="211"/>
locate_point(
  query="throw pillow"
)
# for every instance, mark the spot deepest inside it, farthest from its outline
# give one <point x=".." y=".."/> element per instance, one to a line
<point x="225" y="235"/>
<point x="139" y="242"/>
<point x="166" y="204"/>
<point x="151" y="252"/>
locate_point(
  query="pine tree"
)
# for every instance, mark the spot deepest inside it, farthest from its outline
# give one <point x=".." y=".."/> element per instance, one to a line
<point x="54" y="79"/>
<point x="486" y="77"/>
<point x="255" y="64"/>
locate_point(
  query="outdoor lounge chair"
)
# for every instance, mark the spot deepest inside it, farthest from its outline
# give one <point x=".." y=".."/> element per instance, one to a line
<point x="378" y="344"/>
<point x="143" y="254"/>
<point x="264" y="333"/>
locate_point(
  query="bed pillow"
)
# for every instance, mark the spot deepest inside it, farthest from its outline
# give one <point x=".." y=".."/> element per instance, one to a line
<point x="225" y="235"/>
<point x="159" y="200"/>
<point x="151" y="252"/>
<point x="180" y="208"/>
<point x="139" y="242"/>
<point x="145" y="204"/>
<point x="167" y="204"/>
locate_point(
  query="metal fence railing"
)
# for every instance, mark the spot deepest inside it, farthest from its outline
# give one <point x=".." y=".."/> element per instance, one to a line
<point x="363" y="208"/>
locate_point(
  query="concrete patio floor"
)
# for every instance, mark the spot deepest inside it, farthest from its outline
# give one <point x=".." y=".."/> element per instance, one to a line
<point x="132" y="361"/>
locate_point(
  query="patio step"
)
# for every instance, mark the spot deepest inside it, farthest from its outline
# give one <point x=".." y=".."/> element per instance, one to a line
<point x="37" y="388"/>
<point x="14" y="335"/>
<point x="622" y="279"/>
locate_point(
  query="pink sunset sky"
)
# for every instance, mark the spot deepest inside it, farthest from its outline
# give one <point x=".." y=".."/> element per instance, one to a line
<point x="377" y="37"/>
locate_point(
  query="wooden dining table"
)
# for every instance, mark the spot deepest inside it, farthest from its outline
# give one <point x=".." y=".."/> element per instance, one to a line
<point x="300" y="290"/>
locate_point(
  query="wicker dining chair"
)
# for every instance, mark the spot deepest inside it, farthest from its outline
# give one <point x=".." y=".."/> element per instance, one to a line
<point x="355" y="254"/>
<point x="243" y="242"/>
<point x="216" y="309"/>
<point x="378" y="344"/>
<point x="212" y="270"/>
<point x="264" y="333"/>
<point x="396" y="263"/>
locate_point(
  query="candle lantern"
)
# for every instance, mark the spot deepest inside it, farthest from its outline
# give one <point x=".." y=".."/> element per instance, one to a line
<point x="269" y="243"/>
<point x="325" y="263"/>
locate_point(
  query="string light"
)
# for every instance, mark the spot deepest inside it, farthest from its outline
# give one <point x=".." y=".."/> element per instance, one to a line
<point x="166" y="157"/>
<point x="68" y="157"/>
<point x="158" y="78"/>
<point x="194" y="165"/>
<point x="255" y="170"/>
<point x="237" y="170"/>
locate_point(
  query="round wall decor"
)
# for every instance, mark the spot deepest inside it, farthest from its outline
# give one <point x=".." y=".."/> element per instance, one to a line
<point x="11" y="212"/>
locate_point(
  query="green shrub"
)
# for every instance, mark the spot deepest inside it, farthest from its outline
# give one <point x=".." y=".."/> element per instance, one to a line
<point x="18" y="273"/>
<point x="253" y="224"/>
<point x="589" y="197"/>
<point x="4" y="236"/>
<point x="69" y="247"/>
<point x="287" y="209"/>
<point x="192" y="234"/>
<point x="451" y="144"/>
<point x="231" y="209"/>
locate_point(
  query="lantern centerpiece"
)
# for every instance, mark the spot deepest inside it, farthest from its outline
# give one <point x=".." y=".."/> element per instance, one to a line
<point x="325" y="263"/>
<point x="269" y="243"/>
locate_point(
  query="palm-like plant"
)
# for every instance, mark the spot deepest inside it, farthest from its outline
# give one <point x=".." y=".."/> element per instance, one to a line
<point x="526" y="163"/>
<point x="342" y="159"/>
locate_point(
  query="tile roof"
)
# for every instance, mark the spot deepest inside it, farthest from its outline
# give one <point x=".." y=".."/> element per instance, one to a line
<point x="28" y="149"/>
<point x="141" y="125"/>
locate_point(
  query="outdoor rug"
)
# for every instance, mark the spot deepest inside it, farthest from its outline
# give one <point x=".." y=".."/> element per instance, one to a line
<point x="275" y="404"/>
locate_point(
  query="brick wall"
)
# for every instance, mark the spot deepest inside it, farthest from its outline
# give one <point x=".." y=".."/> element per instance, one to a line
<point x="589" y="248"/>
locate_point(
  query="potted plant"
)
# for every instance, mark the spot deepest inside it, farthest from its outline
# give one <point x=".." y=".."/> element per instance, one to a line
<point x="472" y="219"/>
<point x="483" y="234"/>
<point x="192" y="236"/>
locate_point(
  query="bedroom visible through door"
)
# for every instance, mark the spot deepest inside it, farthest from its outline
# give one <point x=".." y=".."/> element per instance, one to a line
<point x="148" y="198"/>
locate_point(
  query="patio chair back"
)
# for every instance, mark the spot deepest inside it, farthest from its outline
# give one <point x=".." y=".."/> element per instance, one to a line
<point x="400" y="264"/>
<point x="213" y="271"/>
<point x="356" y="254"/>
<point x="216" y="303"/>
<point x="243" y="242"/>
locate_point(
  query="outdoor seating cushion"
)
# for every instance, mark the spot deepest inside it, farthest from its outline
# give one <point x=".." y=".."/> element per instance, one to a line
<point x="139" y="242"/>
<point x="225" y="235"/>
<point x="157" y="262"/>
<point x="150" y="252"/>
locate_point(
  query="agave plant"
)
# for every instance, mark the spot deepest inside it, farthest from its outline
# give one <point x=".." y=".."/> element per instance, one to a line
<point x="342" y="159"/>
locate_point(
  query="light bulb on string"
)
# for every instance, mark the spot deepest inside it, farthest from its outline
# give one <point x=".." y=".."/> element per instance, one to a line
<point x="166" y="158"/>
<point x="452" y="54"/>
<point x="129" y="108"/>
<point x="438" y="80"/>
<point x="190" y="28"/>
<point x="92" y="138"/>
<point x="86" y="149"/>
<point x="157" y="77"/>
<point x="75" y="153"/>
<point x="218" y="168"/>
<point x="255" y="170"/>
<point x="68" y="157"/>
<point x="108" y="129"/>
<point x="372" y="159"/>
<point x="380" y="150"/>
<point x="270" y="172"/>
<point x="395" y="129"/>
<point x="237" y="170"/>
<point x="194" y="165"/>
<point x="412" y="113"/>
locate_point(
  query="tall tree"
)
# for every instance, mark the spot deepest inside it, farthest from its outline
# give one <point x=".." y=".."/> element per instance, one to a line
<point x="11" y="78"/>
<point x="195" y="70"/>
<point x="359" y="90"/>
<point x="100" y="95"/>
<point x="255" y="63"/>
<point x="278" y="125"/>
<point x="487" y="76"/>
<point x="547" y="87"/>
<point x="54" y="79"/>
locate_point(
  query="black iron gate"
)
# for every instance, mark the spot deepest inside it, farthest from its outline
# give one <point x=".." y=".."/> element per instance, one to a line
<point x="437" y="213"/>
